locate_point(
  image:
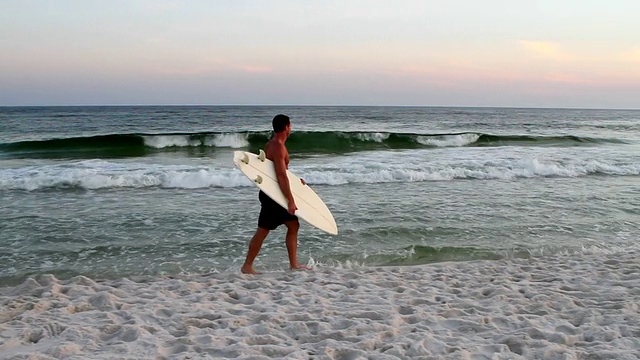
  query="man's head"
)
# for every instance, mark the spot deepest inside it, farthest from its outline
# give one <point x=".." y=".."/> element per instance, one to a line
<point x="281" y="123"/>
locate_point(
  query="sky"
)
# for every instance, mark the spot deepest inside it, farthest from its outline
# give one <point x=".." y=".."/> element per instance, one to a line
<point x="508" y="53"/>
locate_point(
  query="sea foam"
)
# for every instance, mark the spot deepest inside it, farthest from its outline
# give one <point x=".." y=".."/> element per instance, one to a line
<point x="98" y="174"/>
<point x="103" y="174"/>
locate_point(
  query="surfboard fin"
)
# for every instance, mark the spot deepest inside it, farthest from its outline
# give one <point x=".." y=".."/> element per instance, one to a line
<point x="258" y="179"/>
<point x="245" y="158"/>
<point x="262" y="155"/>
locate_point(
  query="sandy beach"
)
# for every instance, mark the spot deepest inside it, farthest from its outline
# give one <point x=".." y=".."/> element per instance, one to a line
<point x="551" y="308"/>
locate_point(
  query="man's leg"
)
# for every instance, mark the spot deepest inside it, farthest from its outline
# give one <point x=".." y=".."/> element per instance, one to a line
<point x="292" y="245"/>
<point x="254" y="249"/>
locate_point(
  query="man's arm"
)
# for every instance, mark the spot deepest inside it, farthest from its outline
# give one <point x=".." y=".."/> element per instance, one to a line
<point x="283" y="180"/>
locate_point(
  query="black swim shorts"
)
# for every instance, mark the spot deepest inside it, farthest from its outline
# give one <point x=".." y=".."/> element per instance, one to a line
<point x="272" y="214"/>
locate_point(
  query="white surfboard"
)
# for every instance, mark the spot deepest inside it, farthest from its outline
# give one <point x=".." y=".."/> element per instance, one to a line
<point x="263" y="174"/>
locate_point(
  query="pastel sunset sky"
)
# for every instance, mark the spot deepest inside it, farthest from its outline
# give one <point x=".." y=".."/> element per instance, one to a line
<point x="545" y="53"/>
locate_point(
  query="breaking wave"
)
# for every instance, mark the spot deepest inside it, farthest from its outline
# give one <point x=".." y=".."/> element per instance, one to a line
<point x="319" y="142"/>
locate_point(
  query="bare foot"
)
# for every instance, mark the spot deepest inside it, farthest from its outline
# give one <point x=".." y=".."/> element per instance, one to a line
<point x="300" y="267"/>
<point x="248" y="270"/>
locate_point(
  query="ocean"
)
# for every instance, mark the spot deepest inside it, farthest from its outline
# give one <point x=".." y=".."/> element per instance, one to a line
<point x="115" y="192"/>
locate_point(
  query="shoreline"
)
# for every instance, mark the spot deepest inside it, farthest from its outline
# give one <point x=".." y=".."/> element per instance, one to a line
<point x="556" y="307"/>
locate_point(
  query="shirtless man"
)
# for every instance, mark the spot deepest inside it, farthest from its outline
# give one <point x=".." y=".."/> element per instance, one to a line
<point x="273" y="215"/>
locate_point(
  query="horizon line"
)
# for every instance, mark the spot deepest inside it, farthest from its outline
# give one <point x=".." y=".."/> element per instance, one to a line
<point x="327" y="105"/>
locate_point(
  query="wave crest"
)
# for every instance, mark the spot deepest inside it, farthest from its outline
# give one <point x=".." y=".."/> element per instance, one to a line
<point x="322" y="142"/>
<point x="230" y="140"/>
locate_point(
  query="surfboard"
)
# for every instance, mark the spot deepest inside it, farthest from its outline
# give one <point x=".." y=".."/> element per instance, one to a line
<point x="262" y="173"/>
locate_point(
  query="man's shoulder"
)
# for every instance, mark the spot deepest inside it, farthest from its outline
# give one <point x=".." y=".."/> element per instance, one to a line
<point x="275" y="150"/>
<point x="277" y="146"/>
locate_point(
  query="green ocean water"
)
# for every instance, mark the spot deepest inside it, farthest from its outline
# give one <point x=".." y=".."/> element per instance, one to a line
<point x="110" y="192"/>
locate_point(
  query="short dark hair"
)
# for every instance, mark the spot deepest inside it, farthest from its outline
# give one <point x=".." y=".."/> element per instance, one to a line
<point x="280" y="122"/>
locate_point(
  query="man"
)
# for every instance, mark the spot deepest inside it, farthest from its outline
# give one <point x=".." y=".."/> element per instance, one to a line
<point x="273" y="215"/>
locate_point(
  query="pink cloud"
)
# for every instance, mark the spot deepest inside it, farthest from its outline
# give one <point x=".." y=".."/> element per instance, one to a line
<point x="256" y="69"/>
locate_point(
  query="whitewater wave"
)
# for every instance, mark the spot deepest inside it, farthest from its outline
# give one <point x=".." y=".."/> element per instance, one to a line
<point x="377" y="137"/>
<point x="230" y="140"/>
<point x="449" y="140"/>
<point x="96" y="174"/>
<point x="99" y="174"/>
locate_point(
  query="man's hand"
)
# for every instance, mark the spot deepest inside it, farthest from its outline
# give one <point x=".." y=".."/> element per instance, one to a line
<point x="303" y="182"/>
<point x="292" y="207"/>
